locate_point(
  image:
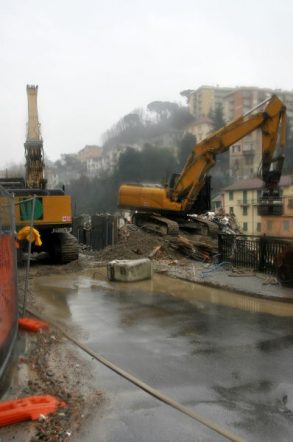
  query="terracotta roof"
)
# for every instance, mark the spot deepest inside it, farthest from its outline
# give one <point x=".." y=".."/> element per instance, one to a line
<point x="257" y="183"/>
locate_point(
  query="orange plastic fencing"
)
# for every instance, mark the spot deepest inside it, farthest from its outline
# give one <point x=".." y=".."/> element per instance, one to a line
<point x="28" y="408"/>
<point x="33" y="325"/>
<point x="8" y="293"/>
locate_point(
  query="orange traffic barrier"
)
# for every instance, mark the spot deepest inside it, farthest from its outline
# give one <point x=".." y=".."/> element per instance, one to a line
<point x="28" y="408"/>
<point x="32" y="324"/>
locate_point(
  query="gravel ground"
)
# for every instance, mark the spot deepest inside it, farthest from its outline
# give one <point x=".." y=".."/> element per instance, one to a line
<point x="47" y="363"/>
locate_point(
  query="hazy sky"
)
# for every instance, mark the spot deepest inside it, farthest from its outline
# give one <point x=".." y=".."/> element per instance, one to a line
<point x="95" y="61"/>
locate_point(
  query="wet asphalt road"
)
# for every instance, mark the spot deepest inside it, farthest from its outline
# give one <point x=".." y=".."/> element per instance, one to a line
<point x="231" y="365"/>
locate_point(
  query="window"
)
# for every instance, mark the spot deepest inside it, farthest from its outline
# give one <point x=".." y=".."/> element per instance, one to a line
<point x="247" y="147"/>
<point x="231" y="210"/>
<point x="290" y="203"/>
<point x="26" y="208"/>
<point x="258" y="227"/>
<point x="236" y="148"/>
<point x="248" y="160"/>
<point x="244" y="211"/>
<point x="244" y="196"/>
<point x="270" y="225"/>
<point x="245" y="227"/>
<point x="231" y="195"/>
<point x="286" y="225"/>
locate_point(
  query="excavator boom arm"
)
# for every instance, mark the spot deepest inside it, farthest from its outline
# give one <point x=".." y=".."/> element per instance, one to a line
<point x="203" y="156"/>
<point x="34" y="153"/>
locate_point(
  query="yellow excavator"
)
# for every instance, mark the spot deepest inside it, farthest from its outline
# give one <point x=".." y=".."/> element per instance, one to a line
<point x="166" y="208"/>
<point x="52" y="208"/>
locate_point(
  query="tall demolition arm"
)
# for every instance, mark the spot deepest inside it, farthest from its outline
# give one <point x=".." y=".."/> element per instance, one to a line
<point x="34" y="153"/>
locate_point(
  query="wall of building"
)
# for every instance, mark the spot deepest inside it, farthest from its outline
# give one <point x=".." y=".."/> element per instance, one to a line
<point x="281" y="225"/>
<point x="244" y="205"/>
<point x="201" y="129"/>
<point x="89" y="152"/>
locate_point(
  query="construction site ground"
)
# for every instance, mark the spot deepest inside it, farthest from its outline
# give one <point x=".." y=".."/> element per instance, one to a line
<point x="47" y="363"/>
<point x="135" y="243"/>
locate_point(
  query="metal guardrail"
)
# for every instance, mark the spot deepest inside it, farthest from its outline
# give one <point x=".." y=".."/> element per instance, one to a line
<point x="261" y="253"/>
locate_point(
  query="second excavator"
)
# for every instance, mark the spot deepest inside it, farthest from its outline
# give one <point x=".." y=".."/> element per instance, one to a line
<point x="166" y="208"/>
<point x="52" y="208"/>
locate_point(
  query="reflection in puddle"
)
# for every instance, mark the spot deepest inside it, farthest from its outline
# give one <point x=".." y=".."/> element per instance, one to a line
<point x="58" y="287"/>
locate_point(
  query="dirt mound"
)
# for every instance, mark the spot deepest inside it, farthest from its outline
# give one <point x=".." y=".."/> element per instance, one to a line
<point x="136" y="243"/>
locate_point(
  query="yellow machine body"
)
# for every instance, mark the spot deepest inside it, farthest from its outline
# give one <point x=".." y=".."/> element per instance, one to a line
<point x="134" y="196"/>
<point x="50" y="211"/>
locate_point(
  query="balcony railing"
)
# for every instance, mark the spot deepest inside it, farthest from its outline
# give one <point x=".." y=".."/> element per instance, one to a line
<point x="247" y="152"/>
<point x="252" y="202"/>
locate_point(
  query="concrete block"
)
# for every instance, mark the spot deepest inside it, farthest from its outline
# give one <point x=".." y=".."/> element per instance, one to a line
<point x="128" y="270"/>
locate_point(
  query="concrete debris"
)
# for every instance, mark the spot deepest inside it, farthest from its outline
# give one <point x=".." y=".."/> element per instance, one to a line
<point x="134" y="242"/>
<point x="129" y="270"/>
<point x="196" y="249"/>
<point x="227" y="223"/>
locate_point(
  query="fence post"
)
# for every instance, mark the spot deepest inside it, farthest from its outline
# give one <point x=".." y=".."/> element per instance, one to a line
<point x="220" y="247"/>
<point x="262" y="253"/>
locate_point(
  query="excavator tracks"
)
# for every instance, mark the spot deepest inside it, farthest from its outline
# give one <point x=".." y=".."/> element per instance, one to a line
<point x="156" y="224"/>
<point x="64" y="248"/>
<point x="171" y="226"/>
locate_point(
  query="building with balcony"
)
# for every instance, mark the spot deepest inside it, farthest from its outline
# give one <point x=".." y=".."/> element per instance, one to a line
<point x="242" y="199"/>
<point x="205" y="99"/>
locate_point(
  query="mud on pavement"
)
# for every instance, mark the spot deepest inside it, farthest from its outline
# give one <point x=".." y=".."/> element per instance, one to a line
<point x="49" y="364"/>
<point x="52" y="365"/>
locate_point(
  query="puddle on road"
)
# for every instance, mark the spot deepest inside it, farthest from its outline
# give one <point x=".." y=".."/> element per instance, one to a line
<point x="56" y="288"/>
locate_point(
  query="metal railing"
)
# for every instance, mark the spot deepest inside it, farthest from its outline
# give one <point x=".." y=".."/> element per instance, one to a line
<point x="98" y="232"/>
<point x="261" y="253"/>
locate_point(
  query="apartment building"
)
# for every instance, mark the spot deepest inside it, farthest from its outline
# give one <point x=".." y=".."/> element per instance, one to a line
<point x="89" y="152"/>
<point x="201" y="128"/>
<point x="205" y="99"/>
<point x="245" y="155"/>
<point x="241" y="198"/>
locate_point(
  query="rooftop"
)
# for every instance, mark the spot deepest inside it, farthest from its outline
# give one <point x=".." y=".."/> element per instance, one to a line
<point x="257" y="183"/>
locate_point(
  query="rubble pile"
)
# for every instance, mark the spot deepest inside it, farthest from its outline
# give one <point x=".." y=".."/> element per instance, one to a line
<point x="198" y="248"/>
<point x="227" y="223"/>
<point x="134" y="242"/>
